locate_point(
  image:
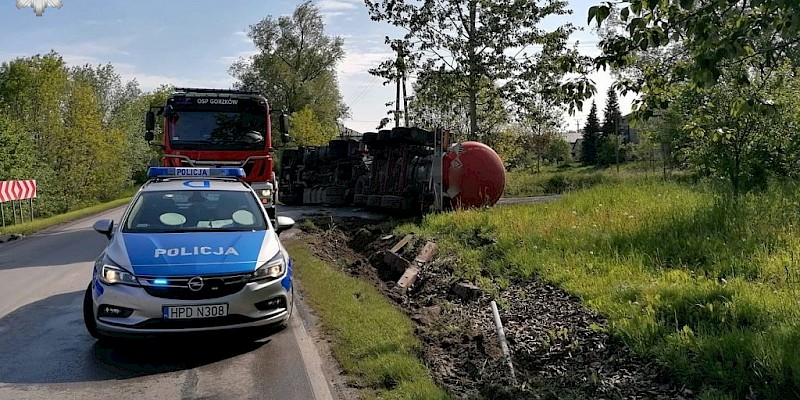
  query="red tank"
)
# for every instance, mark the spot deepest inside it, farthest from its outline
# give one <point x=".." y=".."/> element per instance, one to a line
<point x="474" y="175"/>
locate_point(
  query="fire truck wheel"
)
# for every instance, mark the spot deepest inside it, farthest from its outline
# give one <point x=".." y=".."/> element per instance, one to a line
<point x="271" y="213"/>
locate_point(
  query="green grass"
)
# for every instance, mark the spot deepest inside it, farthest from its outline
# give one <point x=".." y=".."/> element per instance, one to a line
<point x="566" y="178"/>
<point x="43" y="223"/>
<point x="373" y="341"/>
<point x="706" y="285"/>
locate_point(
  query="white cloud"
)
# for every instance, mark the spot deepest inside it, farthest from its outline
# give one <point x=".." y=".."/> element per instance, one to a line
<point x="332" y="14"/>
<point x="335" y="5"/>
<point x="80" y="59"/>
<point x="332" y="9"/>
<point x="151" y="81"/>
<point x="358" y="63"/>
<point x="129" y="72"/>
<point x="229" y="60"/>
<point x="105" y="46"/>
<point x="363" y="93"/>
<point x="242" y="35"/>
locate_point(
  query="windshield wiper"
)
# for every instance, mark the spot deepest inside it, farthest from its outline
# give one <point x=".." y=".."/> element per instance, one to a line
<point x="181" y="141"/>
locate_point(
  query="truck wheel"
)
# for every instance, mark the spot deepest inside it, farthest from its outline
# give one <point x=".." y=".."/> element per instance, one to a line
<point x="361" y="184"/>
<point x="271" y="213"/>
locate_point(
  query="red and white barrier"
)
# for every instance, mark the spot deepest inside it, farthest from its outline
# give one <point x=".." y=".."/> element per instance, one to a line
<point x="17" y="190"/>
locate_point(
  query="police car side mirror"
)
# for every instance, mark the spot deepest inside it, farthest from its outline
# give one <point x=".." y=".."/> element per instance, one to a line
<point x="283" y="223"/>
<point x="106" y="226"/>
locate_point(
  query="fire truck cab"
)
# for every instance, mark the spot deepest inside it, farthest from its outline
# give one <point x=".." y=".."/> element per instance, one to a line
<point x="218" y="128"/>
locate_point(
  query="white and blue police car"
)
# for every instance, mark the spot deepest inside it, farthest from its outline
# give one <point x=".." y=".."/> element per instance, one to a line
<point x="194" y="251"/>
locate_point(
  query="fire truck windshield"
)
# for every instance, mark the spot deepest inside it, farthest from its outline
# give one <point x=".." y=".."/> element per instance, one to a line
<point x="217" y="130"/>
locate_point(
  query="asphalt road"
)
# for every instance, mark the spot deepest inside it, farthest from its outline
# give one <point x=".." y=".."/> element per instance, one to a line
<point x="528" y="200"/>
<point x="45" y="352"/>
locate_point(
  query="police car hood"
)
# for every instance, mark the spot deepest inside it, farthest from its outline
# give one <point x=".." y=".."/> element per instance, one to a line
<point x="200" y="253"/>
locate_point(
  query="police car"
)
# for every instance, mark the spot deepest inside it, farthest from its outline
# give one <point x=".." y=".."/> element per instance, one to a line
<point x="194" y="251"/>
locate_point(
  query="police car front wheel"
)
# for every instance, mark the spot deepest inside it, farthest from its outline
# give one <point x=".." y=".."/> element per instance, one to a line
<point x="88" y="315"/>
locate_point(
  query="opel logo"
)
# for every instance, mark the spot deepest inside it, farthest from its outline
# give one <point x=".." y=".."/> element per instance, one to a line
<point x="196" y="284"/>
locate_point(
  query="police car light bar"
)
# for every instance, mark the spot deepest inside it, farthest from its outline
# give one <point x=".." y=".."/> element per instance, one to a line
<point x="182" y="172"/>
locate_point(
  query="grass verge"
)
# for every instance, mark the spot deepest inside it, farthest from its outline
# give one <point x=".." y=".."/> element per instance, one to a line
<point x="567" y="178"/>
<point x="36" y="225"/>
<point x="707" y="285"/>
<point x="373" y="341"/>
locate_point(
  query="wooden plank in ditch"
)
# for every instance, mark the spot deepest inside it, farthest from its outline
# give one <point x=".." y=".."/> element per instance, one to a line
<point x="427" y="254"/>
<point x="402" y="243"/>
<point x="395" y="261"/>
<point x="407" y="280"/>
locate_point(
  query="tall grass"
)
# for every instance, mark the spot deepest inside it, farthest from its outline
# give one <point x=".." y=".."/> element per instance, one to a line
<point x="707" y="285"/>
<point x="566" y="178"/>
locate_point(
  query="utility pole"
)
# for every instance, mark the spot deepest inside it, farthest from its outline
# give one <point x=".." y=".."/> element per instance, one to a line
<point x="397" y="99"/>
<point x="401" y="85"/>
<point x="616" y="134"/>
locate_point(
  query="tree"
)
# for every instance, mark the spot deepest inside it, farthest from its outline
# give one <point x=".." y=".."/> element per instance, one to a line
<point x="509" y="149"/>
<point x="726" y="62"/>
<point x="742" y="147"/>
<point x="536" y="142"/>
<point x="611" y="114"/>
<point x="763" y="34"/>
<point x="122" y="106"/>
<point x="307" y="130"/>
<point x="89" y="157"/>
<point x="742" y="30"/>
<point x="558" y="150"/>
<point x="438" y="102"/>
<point x="17" y="155"/>
<point x="296" y="65"/>
<point x="591" y="136"/>
<point x="71" y="129"/>
<point x="489" y="41"/>
<point x="32" y="90"/>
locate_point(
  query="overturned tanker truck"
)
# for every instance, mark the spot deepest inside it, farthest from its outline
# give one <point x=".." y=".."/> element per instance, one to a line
<point x="405" y="170"/>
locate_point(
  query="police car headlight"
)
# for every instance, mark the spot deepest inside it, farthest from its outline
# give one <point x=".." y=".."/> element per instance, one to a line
<point x="111" y="274"/>
<point x="271" y="269"/>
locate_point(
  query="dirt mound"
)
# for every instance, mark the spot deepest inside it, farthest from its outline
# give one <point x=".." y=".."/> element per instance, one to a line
<point x="559" y="348"/>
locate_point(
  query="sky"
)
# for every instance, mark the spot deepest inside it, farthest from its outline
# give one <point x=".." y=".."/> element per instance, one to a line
<point x="192" y="43"/>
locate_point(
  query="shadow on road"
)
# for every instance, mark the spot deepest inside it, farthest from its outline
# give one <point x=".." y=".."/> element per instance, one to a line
<point x="46" y="342"/>
<point x="57" y="248"/>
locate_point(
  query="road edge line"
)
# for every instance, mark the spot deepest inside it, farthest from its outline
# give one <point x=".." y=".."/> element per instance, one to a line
<point x="311" y="359"/>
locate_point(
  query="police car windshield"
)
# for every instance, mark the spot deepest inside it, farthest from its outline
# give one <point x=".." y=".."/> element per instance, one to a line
<point x="195" y="210"/>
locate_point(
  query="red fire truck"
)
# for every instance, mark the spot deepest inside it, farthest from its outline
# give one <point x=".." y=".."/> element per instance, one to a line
<point x="220" y="128"/>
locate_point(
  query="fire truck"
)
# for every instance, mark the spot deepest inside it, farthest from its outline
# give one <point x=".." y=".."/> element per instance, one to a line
<point x="220" y="128"/>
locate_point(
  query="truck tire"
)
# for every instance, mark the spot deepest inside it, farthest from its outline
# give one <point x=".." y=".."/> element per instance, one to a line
<point x="384" y="135"/>
<point x="369" y="138"/>
<point x="361" y="184"/>
<point x="415" y="136"/>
